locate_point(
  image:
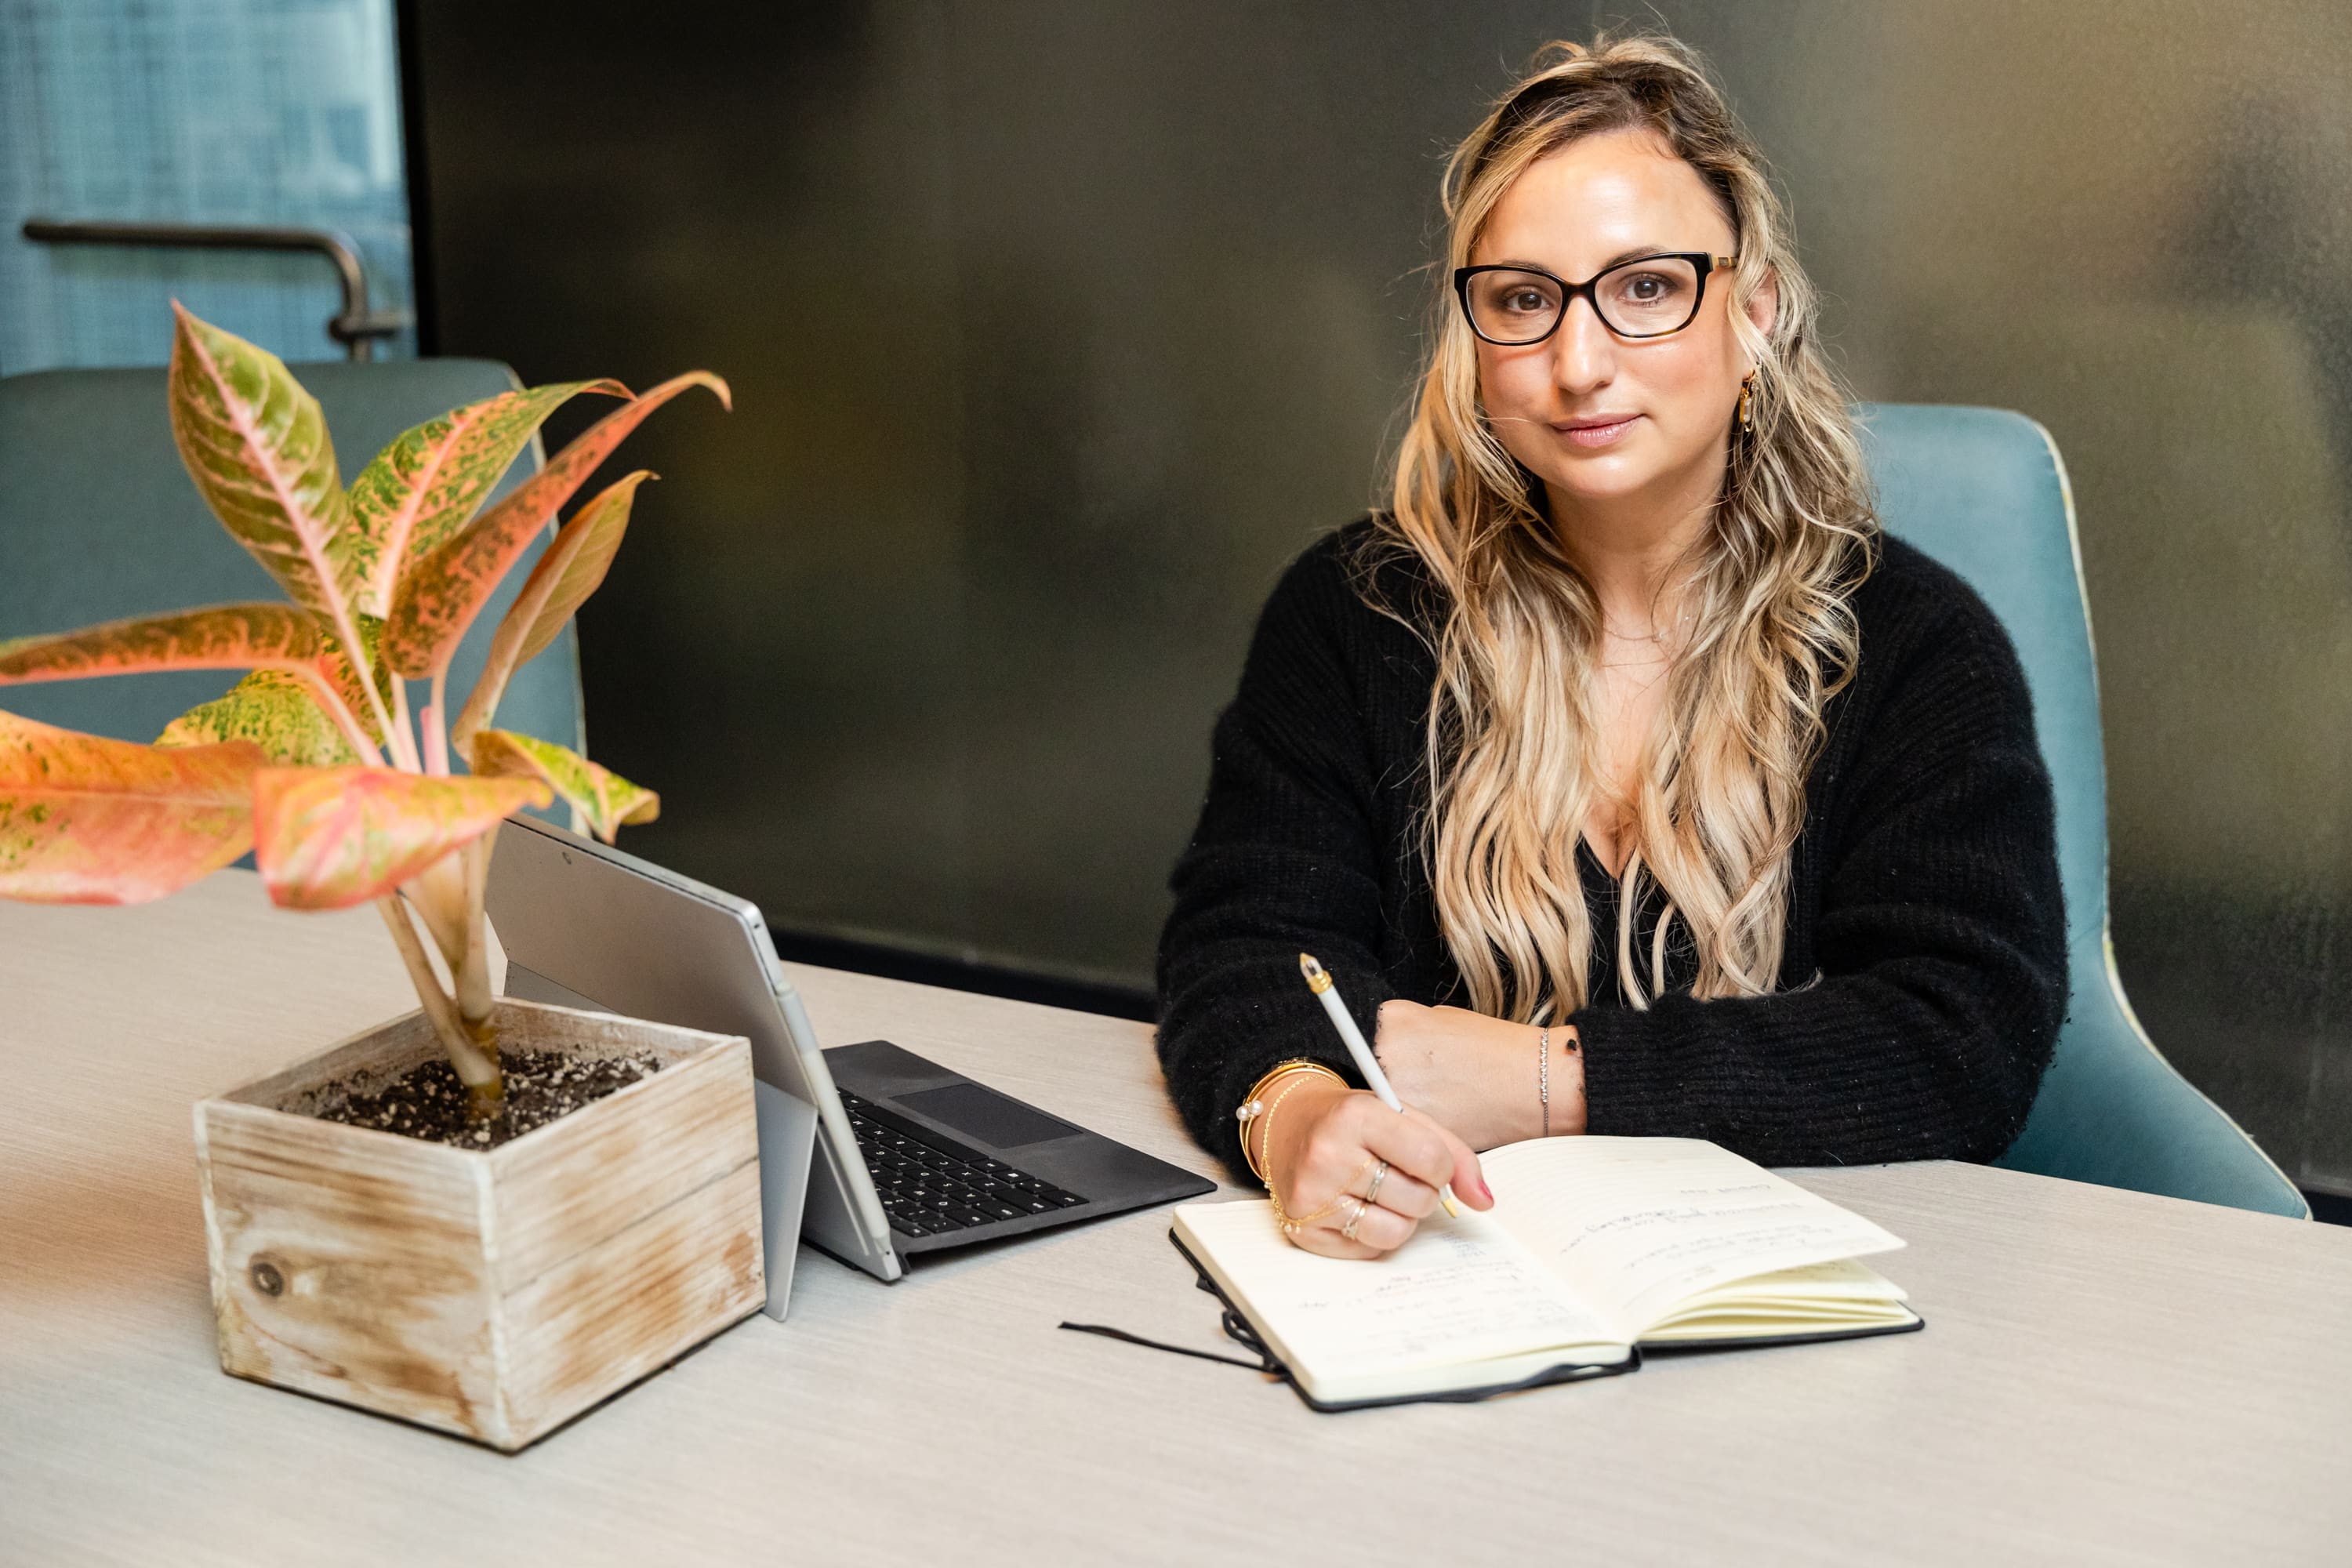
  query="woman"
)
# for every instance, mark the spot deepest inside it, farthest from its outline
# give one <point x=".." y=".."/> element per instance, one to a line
<point x="1638" y="782"/>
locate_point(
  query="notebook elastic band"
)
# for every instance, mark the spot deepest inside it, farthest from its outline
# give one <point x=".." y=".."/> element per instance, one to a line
<point x="1261" y="1364"/>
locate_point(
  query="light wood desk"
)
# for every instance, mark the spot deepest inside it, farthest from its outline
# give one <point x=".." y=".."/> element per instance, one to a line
<point x="2105" y="1377"/>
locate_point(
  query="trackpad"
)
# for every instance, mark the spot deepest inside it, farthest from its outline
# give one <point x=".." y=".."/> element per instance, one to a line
<point x="986" y="1115"/>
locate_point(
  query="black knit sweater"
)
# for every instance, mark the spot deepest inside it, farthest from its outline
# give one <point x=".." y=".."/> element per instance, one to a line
<point x="1924" y="974"/>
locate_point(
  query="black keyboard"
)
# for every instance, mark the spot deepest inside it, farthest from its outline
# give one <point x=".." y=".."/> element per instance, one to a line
<point x="929" y="1183"/>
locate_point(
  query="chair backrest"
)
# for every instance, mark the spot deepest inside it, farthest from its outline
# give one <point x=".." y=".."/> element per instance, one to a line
<point x="1984" y="492"/>
<point x="99" y="520"/>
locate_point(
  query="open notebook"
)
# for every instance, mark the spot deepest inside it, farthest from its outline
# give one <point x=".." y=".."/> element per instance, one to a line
<point x="1594" y="1246"/>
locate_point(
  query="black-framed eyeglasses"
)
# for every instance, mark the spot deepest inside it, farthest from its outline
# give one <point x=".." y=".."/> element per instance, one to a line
<point x="1648" y="296"/>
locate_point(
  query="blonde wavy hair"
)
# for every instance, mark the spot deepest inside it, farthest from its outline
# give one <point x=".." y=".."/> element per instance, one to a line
<point x="1512" y="764"/>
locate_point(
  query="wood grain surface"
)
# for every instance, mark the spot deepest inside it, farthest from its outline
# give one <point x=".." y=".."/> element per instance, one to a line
<point x="2105" y="1377"/>
<point x="492" y="1293"/>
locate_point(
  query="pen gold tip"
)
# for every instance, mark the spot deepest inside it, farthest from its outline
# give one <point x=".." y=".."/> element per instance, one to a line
<point x="1450" y="1208"/>
<point x="1318" y="981"/>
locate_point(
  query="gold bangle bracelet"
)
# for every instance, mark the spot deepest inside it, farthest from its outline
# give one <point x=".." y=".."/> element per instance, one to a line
<point x="1266" y="1140"/>
<point x="1296" y="1064"/>
<point x="1254" y="1107"/>
<point x="1247" y="1114"/>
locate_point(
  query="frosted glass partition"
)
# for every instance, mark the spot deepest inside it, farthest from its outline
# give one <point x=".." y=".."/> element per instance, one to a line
<point x="254" y="111"/>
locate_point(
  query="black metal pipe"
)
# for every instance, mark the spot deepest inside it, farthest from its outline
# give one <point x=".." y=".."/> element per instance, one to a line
<point x="356" y="327"/>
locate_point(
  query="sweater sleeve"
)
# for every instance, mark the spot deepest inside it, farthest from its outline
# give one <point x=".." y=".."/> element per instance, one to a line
<point x="1941" y="945"/>
<point x="1284" y="861"/>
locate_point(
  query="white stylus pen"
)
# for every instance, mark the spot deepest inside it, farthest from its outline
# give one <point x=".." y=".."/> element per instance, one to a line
<point x="1318" y="980"/>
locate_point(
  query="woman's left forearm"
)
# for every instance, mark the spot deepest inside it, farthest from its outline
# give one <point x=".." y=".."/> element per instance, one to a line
<point x="1489" y="1080"/>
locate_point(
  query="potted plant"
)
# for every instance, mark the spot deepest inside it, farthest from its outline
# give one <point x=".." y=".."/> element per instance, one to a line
<point x="487" y="1215"/>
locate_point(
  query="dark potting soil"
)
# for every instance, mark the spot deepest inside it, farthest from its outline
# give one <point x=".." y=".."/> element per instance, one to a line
<point x="429" y="1100"/>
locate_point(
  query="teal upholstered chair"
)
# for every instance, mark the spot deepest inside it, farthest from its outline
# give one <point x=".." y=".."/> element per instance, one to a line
<point x="98" y="519"/>
<point x="1984" y="492"/>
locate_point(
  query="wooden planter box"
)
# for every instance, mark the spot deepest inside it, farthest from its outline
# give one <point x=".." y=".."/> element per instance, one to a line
<point x="493" y="1293"/>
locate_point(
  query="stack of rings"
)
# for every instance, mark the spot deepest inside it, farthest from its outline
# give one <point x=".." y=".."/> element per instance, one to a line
<point x="1364" y="1204"/>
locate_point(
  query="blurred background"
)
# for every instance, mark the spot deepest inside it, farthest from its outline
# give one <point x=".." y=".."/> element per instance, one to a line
<point x="1056" y="329"/>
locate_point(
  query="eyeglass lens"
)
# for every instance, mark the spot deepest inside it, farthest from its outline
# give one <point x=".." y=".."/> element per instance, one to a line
<point x="1640" y="299"/>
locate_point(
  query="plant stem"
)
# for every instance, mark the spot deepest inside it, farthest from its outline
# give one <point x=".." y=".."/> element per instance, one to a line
<point x="485" y="1083"/>
<point x="439" y="894"/>
<point x="400" y="704"/>
<point x="437" y="725"/>
<point x="474" y="999"/>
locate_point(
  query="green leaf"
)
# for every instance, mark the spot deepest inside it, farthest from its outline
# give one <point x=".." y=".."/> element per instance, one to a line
<point x="275" y="712"/>
<point x="608" y="801"/>
<point x="441" y="592"/>
<point x="224" y="636"/>
<point x="257" y="446"/>
<point x="573" y="568"/>
<point x="426" y="485"/>
<point x="85" y="820"/>
<point x="327" y="839"/>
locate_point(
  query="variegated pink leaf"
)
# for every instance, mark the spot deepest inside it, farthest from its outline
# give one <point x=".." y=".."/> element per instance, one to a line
<point x="86" y="820"/>
<point x="608" y="801"/>
<point x="326" y="838"/>
<point x="224" y="636"/>
<point x="573" y="568"/>
<point x="440" y="592"/>
<point x="257" y="446"/>
<point x="273" y="710"/>
<point x="426" y="485"/>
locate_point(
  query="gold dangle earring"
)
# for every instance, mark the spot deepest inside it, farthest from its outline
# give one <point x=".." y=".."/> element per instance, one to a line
<point x="1747" y="403"/>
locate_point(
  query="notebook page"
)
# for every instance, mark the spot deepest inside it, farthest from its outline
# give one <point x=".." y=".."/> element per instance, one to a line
<point x="1820" y="1297"/>
<point x="1459" y="1291"/>
<point x="1829" y="1285"/>
<point x="1636" y="1225"/>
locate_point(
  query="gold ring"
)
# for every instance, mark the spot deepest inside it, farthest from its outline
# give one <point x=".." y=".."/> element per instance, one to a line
<point x="1372" y="1194"/>
<point x="1361" y="1208"/>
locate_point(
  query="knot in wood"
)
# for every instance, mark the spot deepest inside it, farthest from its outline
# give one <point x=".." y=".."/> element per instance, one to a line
<point x="267" y="1278"/>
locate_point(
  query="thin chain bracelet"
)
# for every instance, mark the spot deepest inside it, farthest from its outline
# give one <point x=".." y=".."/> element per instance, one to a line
<point x="1543" y="1077"/>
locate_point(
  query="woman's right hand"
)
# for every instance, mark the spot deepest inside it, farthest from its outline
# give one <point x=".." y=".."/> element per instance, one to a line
<point x="1328" y="1144"/>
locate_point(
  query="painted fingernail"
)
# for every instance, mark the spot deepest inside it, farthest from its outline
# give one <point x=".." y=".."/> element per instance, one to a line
<point x="1484" y="1191"/>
